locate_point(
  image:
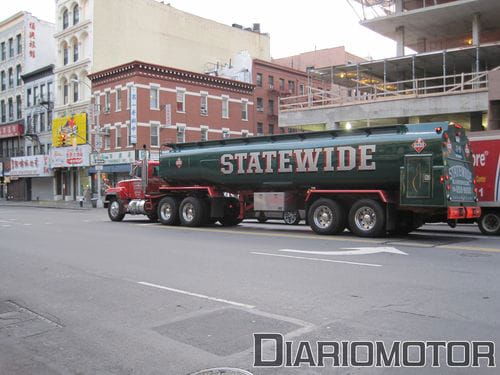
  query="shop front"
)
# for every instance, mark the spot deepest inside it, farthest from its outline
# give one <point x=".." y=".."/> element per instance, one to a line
<point x="115" y="167"/>
<point x="33" y="177"/>
<point x="70" y="166"/>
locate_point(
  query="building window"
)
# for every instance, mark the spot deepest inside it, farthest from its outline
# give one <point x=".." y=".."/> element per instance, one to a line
<point x="107" y="101"/>
<point x="11" y="109"/>
<point x="155" y="135"/>
<point x="42" y="93"/>
<point x="106" y="138"/>
<point x="35" y="123"/>
<point x="271" y="128"/>
<point x="11" y="47"/>
<point x="204" y="134"/>
<point x="19" y="44"/>
<point x="204" y="104"/>
<point x="282" y="84"/>
<point x="29" y="125"/>
<point x="19" y="107"/>
<point x="2" y="51"/>
<point x="181" y="134"/>
<point x="75" y="52"/>
<point x="301" y="90"/>
<point x="35" y="150"/>
<point x="49" y="122"/>
<point x="3" y="80"/>
<point x="42" y="122"/>
<point x="49" y="145"/>
<point x="225" y="134"/>
<point x="260" y="105"/>
<point x="154" y="94"/>
<point x="28" y="97"/>
<point x="244" y="110"/>
<point x="118" y="97"/>
<point x="225" y="107"/>
<point x="271" y="82"/>
<point x="75" y="92"/>
<point x="76" y="14"/>
<point x="181" y="100"/>
<point x="35" y="95"/>
<point x="28" y="150"/>
<point x="65" y="93"/>
<point x="65" y="55"/>
<point x="49" y="91"/>
<point x="2" y="110"/>
<point x="258" y="81"/>
<point x="65" y="19"/>
<point x="42" y="149"/>
<point x="118" y="136"/>
<point x="11" y="78"/>
<point x="271" y="107"/>
<point x="291" y="87"/>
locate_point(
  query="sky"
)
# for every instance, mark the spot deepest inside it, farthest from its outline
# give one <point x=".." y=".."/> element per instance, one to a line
<point x="294" y="26"/>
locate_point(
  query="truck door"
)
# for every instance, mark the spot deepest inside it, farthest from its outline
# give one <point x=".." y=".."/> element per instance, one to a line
<point x="416" y="179"/>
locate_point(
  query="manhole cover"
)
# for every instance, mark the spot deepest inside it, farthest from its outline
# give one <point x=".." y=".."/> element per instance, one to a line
<point x="223" y="371"/>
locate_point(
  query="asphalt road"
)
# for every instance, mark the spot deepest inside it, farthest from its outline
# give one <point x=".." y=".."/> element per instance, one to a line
<point x="82" y="295"/>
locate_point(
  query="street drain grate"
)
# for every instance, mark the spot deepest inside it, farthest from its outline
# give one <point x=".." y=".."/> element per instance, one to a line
<point x="223" y="332"/>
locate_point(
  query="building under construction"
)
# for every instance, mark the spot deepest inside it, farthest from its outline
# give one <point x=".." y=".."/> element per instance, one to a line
<point x="452" y="70"/>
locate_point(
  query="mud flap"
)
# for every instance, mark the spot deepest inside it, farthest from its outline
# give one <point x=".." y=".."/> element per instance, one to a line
<point x="391" y="217"/>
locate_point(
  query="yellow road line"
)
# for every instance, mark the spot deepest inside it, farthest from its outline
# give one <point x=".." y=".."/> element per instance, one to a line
<point x="469" y="248"/>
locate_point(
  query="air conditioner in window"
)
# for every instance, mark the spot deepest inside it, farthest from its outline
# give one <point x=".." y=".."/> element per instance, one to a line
<point x="204" y="111"/>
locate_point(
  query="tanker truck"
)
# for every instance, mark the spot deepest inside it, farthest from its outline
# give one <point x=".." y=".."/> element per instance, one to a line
<point x="372" y="181"/>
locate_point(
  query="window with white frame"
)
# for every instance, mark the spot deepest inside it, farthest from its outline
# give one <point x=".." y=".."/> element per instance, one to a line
<point x="181" y="100"/>
<point x="155" y="135"/>
<point x="118" y="136"/>
<point x="181" y="134"/>
<point x="204" y="133"/>
<point x="118" y="98"/>
<point x="107" y="101"/>
<point x="225" y="107"/>
<point x="204" y="104"/>
<point x="225" y="133"/>
<point x="18" y="75"/>
<point x="129" y="133"/>
<point x="106" y="138"/>
<point x="129" y="96"/>
<point x="19" y="44"/>
<point x="244" y="110"/>
<point x="154" y="97"/>
<point x="260" y="105"/>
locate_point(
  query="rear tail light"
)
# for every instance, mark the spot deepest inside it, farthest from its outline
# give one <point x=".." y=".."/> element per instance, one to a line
<point x="473" y="212"/>
<point x="456" y="213"/>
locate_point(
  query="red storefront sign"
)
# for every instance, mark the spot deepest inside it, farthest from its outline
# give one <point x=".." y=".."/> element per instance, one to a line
<point x="9" y="131"/>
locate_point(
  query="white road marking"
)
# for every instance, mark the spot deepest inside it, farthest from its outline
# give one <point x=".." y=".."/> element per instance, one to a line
<point x="6" y="226"/>
<point x="351" y="251"/>
<point x="48" y="223"/>
<point x="238" y="304"/>
<point x="318" y="259"/>
<point x="27" y="224"/>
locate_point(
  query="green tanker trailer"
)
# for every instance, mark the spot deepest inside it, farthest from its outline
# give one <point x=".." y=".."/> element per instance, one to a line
<point x="372" y="181"/>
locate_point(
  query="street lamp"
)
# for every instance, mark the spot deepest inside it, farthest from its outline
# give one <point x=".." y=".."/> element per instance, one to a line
<point x="97" y="146"/>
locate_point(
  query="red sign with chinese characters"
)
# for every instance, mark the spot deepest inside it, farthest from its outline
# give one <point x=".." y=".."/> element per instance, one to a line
<point x="9" y="131"/>
<point x="32" y="40"/>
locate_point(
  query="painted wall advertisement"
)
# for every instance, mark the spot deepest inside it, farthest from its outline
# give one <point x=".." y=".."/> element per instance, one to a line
<point x="68" y="131"/>
<point x="486" y="156"/>
<point x="66" y="157"/>
<point x="30" y="166"/>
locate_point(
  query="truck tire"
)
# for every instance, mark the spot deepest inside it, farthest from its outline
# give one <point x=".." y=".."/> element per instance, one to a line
<point x="291" y="217"/>
<point x="192" y="212"/>
<point x="231" y="213"/>
<point x="489" y="223"/>
<point x="325" y="216"/>
<point x="116" y="210"/>
<point x="168" y="211"/>
<point x="153" y="216"/>
<point x="367" y="218"/>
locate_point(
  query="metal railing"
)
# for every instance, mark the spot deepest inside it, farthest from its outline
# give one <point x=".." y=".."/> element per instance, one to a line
<point x="371" y="90"/>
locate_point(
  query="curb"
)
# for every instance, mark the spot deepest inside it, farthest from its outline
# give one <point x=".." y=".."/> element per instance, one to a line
<point x="52" y="207"/>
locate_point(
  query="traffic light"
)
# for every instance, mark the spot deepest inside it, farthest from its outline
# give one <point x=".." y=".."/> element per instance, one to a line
<point x="62" y="139"/>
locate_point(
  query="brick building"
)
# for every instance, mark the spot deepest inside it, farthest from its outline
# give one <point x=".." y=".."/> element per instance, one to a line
<point x="173" y="105"/>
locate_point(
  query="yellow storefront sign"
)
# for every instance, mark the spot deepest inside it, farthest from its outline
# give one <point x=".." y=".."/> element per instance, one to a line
<point x="313" y="127"/>
<point x="69" y="131"/>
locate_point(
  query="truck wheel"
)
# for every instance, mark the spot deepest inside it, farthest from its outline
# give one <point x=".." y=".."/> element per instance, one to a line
<point x="291" y="217"/>
<point x="192" y="212"/>
<point x="489" y="223"/>
<point x="116" y="210"/>
<point x="325" y="216"/>
<point x="168" y="211"/>
<point x="231" y="213"/>
<point x="367" y="218"/>
<point x="262" y="219"/>
<point x="153" y="216"/>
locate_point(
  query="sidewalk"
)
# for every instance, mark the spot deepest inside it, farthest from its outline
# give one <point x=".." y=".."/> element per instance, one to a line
<point x="69" y="205"/>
